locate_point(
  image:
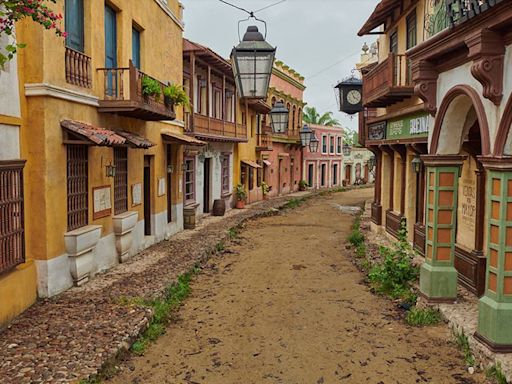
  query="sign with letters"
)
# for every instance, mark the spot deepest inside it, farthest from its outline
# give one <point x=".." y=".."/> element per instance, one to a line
<point x="408" y="127"/>
<point x="460" y="11"/>
<point x="377" y="131"/>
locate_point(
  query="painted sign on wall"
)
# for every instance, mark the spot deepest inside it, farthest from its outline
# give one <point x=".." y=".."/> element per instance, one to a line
<point x="408" y="127"/>
<point x="377" y="131"/>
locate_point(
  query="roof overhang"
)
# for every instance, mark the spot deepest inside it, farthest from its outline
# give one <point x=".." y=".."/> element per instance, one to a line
<point x="251" y="163"/>
<point x="180" y="138"/>
<point x="382" y="12"/>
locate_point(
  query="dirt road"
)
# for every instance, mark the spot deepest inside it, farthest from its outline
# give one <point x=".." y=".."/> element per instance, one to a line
<point x="286" y="305"/>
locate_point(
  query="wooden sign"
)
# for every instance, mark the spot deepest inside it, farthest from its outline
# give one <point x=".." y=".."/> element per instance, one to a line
<point x="377" y="131"/>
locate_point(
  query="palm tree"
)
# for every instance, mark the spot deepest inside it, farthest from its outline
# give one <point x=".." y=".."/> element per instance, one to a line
<point x="311" y="116"/>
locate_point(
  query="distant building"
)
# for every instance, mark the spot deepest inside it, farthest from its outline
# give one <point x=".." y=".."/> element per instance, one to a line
<point x="357" y="166"/>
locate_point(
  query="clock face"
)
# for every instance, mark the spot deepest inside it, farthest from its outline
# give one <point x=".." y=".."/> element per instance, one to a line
<point x="354" y="97"/>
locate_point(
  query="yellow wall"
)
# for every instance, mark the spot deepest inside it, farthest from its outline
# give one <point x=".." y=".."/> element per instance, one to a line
<point x="44" y="62"/>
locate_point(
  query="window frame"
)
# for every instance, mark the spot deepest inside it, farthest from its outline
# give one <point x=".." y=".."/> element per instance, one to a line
<point x="339" y="145"/>
<point x="412" y="27"/>
<point x="80" y="217"/>
<point x="332" y="145"/>
<point x="136" y="32"/>
<point x="324" y="144"/>
<point x="189" y="197"/>
<point x="225" y="173"/>
<point x="80" y="26"/>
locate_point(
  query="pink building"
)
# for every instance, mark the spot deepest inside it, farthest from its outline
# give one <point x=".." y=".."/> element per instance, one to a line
<point x="323" y="169"/>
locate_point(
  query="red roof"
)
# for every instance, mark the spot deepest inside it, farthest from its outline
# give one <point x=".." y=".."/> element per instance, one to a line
<point x="208" y="55"/>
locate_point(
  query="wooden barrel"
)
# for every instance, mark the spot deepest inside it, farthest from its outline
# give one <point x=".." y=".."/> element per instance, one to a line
<point x="219" y="207"/>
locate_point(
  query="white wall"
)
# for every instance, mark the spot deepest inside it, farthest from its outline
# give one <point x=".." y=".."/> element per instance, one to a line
<point x="9" y="89"/>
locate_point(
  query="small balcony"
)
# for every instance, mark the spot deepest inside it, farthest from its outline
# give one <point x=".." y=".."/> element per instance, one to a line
<point x="264" y="142"/>
<point x="78" y="68"/>
<point x="211" y="128"/>
<point x="388" y="83"/>
<point x="122" y="94"/>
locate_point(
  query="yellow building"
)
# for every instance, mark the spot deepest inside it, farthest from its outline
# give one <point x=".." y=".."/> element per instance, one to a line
<point x="103" y="147"/>
<point x="17" y="269"/>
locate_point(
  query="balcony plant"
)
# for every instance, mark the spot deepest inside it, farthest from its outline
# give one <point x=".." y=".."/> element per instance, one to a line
<point x="265" y="189"/>
<point x="175" y="95"/>
<point x="303" y="184"/>
<point x="241" y="196"/>
<point x="151" y="87"/>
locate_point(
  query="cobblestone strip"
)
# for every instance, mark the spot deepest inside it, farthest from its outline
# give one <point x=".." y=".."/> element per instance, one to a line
<point x="71" y="336"/>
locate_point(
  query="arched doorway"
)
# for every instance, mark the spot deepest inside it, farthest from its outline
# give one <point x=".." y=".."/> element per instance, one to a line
<point x="456" y="197"/>
<point x="348" y="174"/>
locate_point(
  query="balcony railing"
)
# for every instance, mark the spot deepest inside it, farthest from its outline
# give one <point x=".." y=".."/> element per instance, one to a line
<point x="210" y="127"/>
<point x="388" y="83"/>
<point x="122" y="94"/>
<point x="78" y="68"/>
<point x="264" y="142"/>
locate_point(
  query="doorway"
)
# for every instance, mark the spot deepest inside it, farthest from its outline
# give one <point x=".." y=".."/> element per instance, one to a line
<point x="311" y="169"/>
<point x="147" y="195"/>
<point x="111" y="49"/>
<point x="206" y="186"/>
<point x="169" y="183"/>
<point x="292" y="174"/>
<point x="348" y="173"/>
<point x="323" y="172"/>
<point x="279" y="177"/>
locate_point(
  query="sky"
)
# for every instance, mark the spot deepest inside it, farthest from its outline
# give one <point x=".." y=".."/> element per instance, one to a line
<point x="317" y="38"/>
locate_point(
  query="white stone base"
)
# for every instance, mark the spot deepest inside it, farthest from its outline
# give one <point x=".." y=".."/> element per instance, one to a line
<point x="53" y="276"/>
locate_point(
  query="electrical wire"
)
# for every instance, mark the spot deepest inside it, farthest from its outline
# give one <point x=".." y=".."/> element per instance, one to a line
<point x="270" y="6"/>
<point x="331" y="66"/>
<point x="253" y="12"/>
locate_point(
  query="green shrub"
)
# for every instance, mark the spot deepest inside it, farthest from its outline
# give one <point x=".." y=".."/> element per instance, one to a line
<point x="395" y="274"/>
<point x="151" y="87"/>
<point x="175" y="95"/>
<point x="419" y="317"/>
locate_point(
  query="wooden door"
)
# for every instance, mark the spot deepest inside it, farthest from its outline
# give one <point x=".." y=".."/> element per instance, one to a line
<point x="169" y="183"/>
<point x="206" y="186"/>
<point x="311" y="170"/>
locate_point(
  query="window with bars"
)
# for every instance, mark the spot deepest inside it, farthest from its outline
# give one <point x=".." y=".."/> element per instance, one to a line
<point x="225" y="173"/>
<point x="12" y="233"/>
<point x="78" y="189"/>
<point x="189" y="180"/>
<point x="121" y="180"/>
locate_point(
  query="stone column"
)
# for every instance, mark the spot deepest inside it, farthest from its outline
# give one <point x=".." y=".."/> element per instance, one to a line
<point x="495" y="307"/>
<point x="438" y="276"/>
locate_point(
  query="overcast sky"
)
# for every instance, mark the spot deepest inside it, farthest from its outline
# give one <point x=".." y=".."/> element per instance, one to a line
<point x="317" y="38"/>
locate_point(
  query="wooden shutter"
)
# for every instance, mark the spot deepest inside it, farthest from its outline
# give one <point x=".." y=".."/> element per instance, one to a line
<point x="74" y="24"/>
<point x="136" y="47"/>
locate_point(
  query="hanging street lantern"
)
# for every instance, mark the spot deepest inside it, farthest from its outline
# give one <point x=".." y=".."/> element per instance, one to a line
<point x="416" y="164"/>
<point x="279" y="117"/>
<point x="313" y="143"/>
<point x="347" y="150"/>
<point x="252" y="61"/>
<point x="305" y="135"/>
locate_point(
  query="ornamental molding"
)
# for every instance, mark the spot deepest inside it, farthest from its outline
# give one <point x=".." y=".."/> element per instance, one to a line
<point x="487" y="50"/>
<point x="425" y="77"/>
<point x="50" y="90"/>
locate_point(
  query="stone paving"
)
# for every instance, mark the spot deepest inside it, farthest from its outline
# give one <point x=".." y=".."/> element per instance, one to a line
<point x="71" y="336"/>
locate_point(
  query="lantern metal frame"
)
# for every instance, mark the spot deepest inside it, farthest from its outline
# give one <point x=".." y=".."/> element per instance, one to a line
<point x="110" y="170"/>
<point x="253" y="44"/>
<point x="416" y="164"/>
<point x="280" y="122"/>
<point x="305" y="135"/>
<point x="314" y="143"/>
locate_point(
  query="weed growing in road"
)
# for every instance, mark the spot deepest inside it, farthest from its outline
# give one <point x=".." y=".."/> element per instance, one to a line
<point x="162" y="309"/>
<point x="232" y="233"/>
<point x="396" y="273"/>
<point x="496" y="374"/>
<point x="293" y="203"/>
<point x="356" y="237"/>
<point x="463" y="343"/>
<point x="419" y="317"/>
<point x="219" y="247"/>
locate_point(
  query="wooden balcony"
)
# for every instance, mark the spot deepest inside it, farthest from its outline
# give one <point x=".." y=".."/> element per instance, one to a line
<point x="388" y="83"/>
<point x="213" y="129"/>
<point x="264" y="142"/>
<point x="122" y="94"/>
<point x="393" y="222"/>
<point x="78" y="68"/>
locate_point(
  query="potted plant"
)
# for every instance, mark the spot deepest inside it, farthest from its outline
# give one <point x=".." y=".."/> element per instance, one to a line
<point x="151" y="87"/>
<point x="265" y="189"/>
<point x="175" y="95"/>
<point x="303" y="184"/>
<point x="241" y="196"/>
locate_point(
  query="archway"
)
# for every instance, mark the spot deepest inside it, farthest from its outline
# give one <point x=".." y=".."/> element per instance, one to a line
<point x="503" y="145"/>
<point x="456" y="189"/>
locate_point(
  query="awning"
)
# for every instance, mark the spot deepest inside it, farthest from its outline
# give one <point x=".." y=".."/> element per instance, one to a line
<point x="284" y="155"/>
<point x="92" y="134"/>
<point x="267" y="163"/>
<point x="382" y="11"/>
<point x="259" y="106"/>
<point x="135" y="140"/>
<point x="251" y="163"/>
<point x="179" y="138"/>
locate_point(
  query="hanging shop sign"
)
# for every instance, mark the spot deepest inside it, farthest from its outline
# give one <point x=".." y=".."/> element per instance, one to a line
<point x="408" y="127"/>
<point x="377" y="131"/>
<point x="460" y="11"/>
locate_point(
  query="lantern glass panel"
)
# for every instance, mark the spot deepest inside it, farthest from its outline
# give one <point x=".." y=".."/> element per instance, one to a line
<point x="279" y="116"/>
<point x="305" y="135"/>
<point x="313" y="144"/>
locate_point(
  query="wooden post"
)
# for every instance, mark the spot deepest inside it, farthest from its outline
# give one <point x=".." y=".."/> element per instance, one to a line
<point x="224" y="105"/>
<point x="208" y="95"/>
<point x="192" y="88"/>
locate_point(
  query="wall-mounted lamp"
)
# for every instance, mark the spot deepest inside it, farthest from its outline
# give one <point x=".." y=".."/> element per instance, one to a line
<point x="416" y="164"/>
<point x="110" y="170"/>
<point x="170" y="168"/>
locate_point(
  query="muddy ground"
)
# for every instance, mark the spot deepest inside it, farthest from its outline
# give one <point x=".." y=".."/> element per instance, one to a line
<point x="286" y="305"/>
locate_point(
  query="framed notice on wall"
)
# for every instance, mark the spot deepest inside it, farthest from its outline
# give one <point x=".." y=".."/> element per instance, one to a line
<point x="101" y="201"/>
<point x="161" y="187"/>
<point x="136" y="194"/>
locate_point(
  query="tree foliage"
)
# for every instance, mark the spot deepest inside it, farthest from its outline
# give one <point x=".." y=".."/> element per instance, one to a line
<point x="12" y="11"/>
<point x="311" y="116"/>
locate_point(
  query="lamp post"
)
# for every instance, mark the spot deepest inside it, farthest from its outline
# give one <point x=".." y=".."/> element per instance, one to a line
<point x="305" y="135"/>
<point x="252" y="61"/>
<point x="313" y="143"/>
<point x="279" y="117"/>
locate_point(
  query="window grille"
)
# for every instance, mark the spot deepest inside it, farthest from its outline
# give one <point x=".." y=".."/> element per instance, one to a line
<point x="225" y="174"/>
<point x="121" y="180"/>
<point x="189" y="180"/>
<point x="78" y="189"/>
